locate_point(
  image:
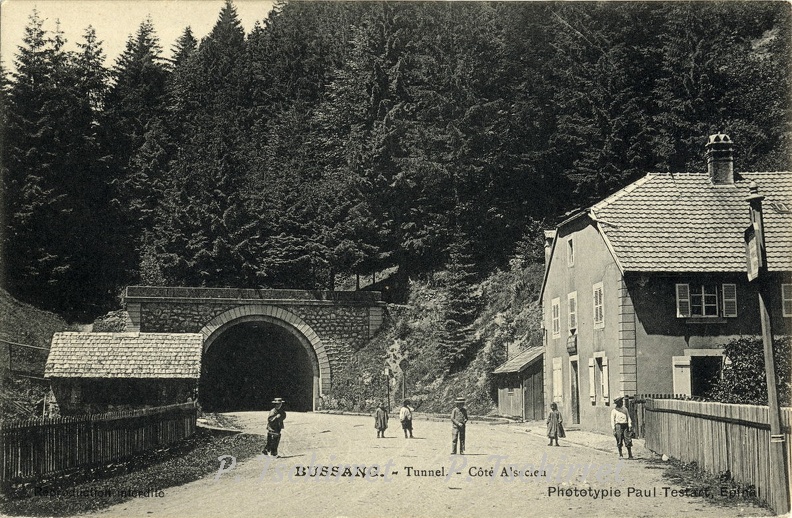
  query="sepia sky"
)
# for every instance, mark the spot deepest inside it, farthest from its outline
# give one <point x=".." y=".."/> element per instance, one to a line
<point x="115" y="20"/>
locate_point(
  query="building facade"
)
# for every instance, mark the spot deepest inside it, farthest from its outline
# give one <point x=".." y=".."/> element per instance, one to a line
<point x="643" y="289"/>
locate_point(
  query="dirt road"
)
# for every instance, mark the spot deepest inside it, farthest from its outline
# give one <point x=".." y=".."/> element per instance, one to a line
<point x="335" y="466"/>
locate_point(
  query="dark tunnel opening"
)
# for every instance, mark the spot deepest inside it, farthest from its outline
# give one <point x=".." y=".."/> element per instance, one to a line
<point x="250" y="364"/>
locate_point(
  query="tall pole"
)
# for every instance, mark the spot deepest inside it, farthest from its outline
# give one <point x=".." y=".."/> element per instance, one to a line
<point x="387" y="386"/>
<point x="778" y="468"/>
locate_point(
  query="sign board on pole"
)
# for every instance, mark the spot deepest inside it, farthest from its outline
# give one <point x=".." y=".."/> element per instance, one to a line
<point x="753" y="256"/>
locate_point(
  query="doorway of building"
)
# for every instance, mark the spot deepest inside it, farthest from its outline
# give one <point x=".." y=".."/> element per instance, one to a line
<point x="575" y="392"/>
<point x="705" y="371"/>
<point x="251" y="363"/>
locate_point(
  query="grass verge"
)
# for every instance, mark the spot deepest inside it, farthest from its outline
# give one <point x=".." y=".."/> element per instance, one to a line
<point x="718" y="489"/>
<point x="147" y="476"/>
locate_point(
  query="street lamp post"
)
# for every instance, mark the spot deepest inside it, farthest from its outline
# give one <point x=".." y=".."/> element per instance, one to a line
<point x="756" y="258"/>
<point x="387" y="374"/>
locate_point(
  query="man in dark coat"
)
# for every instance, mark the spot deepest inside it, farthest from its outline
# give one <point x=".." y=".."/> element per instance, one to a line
<point x="381" y="420"/>
<point x="459" y="419"/>
<point x="275" y="427"/>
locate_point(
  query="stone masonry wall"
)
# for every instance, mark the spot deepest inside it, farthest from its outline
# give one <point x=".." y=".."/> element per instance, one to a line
<point x="342" y="328"/>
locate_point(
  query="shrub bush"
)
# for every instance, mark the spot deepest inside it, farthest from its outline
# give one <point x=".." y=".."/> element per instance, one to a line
<point x="744" y="378"/>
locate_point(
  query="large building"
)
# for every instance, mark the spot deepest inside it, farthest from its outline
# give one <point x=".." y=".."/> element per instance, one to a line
<point x="643" y="289"/>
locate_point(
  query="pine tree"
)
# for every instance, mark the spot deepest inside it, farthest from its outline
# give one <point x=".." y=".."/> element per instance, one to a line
<point x="135" y="107"/>
<point x="54" y="184"/>
<point x="210" y="95"/>
<point x="184" y="48"/>
<point x="457" y="343"/>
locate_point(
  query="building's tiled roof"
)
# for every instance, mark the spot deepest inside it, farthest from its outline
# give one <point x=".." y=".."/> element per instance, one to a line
<point x="683" y="223"/>
<point x="521" y="361"/>
<point x="125" y="355"/>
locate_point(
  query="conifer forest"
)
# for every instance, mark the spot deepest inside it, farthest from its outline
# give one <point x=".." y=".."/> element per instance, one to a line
<point x="338" y="139"/>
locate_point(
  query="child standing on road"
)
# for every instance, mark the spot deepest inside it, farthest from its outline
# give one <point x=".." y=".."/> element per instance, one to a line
<point x="405" y="416"/>
<point x="554" y="427"/>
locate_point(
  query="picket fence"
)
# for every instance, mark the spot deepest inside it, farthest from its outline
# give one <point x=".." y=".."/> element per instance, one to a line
<point x="34" y="449"/>
<point x="719" y="437"/>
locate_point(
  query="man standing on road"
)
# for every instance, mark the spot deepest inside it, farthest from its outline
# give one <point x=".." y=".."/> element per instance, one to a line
<point x="459" y="418"/>
<point x="274" y="427"/>
<point x="621" y="424"/>
<point x="405" y="416"/>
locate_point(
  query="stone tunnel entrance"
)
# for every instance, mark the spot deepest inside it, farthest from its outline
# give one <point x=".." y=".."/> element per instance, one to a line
<point x="251" y="363"/>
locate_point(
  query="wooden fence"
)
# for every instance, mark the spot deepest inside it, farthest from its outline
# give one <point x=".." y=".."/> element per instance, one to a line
<point x="33" y="449"/>
<point x="636" y="405"/>
<point x="719" y="437"/>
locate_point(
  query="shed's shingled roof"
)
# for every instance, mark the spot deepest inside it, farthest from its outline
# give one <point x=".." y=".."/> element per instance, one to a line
<point x="125" y="355"/>
<point x="683" y="223"/>
<point x="521" y="361"/>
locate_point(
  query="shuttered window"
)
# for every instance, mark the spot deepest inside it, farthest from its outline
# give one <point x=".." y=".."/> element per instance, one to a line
<point x="729" y="300"/>
<point x="683" y="300"/>
<point x="592" y="381"/>
<point x="786" y="299"/>
<point x="572" y="304"/>
<point x="604" y="380"/>
<point x="555" y="309"/>
<point x="706" y="300"/>
<point x="599" y="309"/>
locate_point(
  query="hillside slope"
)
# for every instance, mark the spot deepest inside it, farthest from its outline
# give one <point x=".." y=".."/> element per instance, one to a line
<point x="510" y="317"/>
<point x="21" y="323"/>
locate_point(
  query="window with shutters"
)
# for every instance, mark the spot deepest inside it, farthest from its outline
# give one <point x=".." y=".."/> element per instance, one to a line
<point x="706" y="300"/>
<point x="572" y="310"/>
<point x="555" y="309"/>
<point x="598" y="379"/>
<point x="729" y="292"/>
<point x="599" y="308"/>
<point x="786" y="299"/>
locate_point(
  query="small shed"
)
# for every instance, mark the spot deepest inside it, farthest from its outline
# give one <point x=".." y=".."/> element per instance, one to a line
<point x="521" y="385"/>
<point x="102" y="372"/>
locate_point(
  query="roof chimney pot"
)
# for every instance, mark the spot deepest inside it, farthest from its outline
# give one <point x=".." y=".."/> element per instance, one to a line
<point x="720" y="159"/>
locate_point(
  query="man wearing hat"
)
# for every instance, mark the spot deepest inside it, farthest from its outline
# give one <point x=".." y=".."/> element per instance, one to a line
<point x="274" y="427"/>
<point x="621" y="425"/>
<point x="459" y="418"/>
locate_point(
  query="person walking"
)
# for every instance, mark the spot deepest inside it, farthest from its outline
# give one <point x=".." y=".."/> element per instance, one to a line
<point x="622" y="427"/>
<point x="381" y="420"/>
<point x="555" y="428"/>
<point x="275" y="427"/>
<point x="459" y="419"/>
<point x="405" y="416"/>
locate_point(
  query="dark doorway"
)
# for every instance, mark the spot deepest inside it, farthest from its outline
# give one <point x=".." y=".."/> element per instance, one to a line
<point x="704" y="374"/>
<point x="252" y="363"/>
<point x="575" y="393"/>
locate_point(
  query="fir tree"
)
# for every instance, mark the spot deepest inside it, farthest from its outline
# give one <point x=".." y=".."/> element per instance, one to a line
<point x="458" y="344"/>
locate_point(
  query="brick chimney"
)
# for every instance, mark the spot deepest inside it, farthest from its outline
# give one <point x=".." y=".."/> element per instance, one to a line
<point x="720" y="161"/>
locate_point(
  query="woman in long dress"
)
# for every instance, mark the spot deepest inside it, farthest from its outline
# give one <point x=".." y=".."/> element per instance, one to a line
<point x="554" y="426"/>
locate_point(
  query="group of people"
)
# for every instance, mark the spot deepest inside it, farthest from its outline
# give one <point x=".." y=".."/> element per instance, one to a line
<point x="459" y="419"/>
<point x="405" y="418"/>
<point x="621" y="424"/>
